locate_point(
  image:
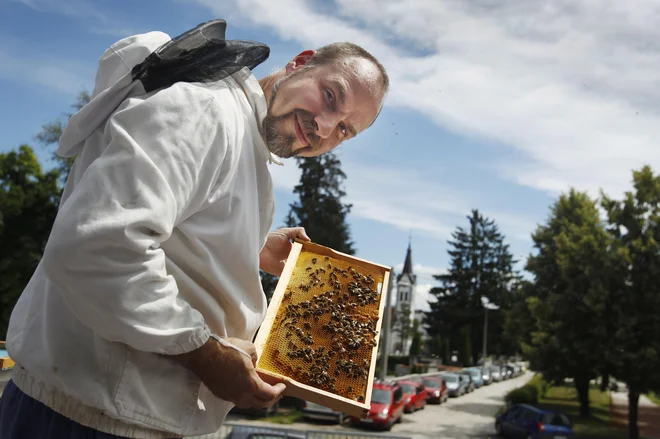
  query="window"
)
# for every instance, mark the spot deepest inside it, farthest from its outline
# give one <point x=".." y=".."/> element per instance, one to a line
<point x="380" y="396"/>
<point x="529" y="415"/>
<point x="398" y="394"/>
<point x="408" y="388"/>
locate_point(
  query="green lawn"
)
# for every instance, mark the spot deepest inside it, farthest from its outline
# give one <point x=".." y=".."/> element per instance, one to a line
<point x="285" y="416"/>
<point x="564" y="399"/>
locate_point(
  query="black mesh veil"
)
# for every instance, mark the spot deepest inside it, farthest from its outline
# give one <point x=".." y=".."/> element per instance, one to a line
<point x="199" y="55"/>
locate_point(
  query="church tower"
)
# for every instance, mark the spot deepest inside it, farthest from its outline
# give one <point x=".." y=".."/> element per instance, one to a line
<point x="405" y="283"/>
<point x="405" y="287"/>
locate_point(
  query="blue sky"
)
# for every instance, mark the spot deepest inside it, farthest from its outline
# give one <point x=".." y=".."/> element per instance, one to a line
<point x="498" y="106"/>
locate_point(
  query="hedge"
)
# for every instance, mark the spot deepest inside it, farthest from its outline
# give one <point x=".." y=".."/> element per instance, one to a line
<point x="529" y="393"/>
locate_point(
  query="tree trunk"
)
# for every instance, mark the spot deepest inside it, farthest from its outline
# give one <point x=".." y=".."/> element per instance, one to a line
<point x="604" y="382"/>
<point x="582" y="389"/>
<point x="633" y="404"/>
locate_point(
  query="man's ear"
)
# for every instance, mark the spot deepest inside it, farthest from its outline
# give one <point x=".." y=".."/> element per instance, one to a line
<point x="300" y="60"/>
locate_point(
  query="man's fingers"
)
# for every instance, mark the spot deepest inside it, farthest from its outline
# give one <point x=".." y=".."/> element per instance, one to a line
<point x="266" y="392"/>
<point x="295" y="232"/>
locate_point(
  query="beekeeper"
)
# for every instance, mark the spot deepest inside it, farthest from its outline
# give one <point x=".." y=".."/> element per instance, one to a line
<point x="138" y="320"/>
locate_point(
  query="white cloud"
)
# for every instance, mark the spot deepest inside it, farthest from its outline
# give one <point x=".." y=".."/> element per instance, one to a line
<point x="571" y="85"/>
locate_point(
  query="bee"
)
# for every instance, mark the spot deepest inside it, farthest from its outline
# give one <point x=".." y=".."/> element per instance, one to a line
<point x="313" y="260"/>
<point x="308" y="268"/>
<point x="307" y="325"/>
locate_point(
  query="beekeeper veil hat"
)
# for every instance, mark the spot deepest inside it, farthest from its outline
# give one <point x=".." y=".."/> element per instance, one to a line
<point x="201" y="54"/>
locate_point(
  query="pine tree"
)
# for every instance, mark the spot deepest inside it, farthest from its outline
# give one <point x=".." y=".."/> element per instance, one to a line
<point x="481" y="266"/>
<point x="319" y="208"/>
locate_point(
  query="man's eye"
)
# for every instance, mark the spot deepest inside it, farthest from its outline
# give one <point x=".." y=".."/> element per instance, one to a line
<point x="331" y="98"/>
<point x="343" y="129"/>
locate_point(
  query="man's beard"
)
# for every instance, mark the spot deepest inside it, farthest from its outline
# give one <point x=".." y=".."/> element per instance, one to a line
<point x="281" y="144"/>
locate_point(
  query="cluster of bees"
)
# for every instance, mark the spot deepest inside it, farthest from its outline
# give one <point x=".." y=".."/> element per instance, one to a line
<point x="330" y="335"/>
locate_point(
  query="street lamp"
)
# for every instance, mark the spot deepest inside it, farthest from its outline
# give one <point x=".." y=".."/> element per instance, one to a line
<point x="487" y="305"/>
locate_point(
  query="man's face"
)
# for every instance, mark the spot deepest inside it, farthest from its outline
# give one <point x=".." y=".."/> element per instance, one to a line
<point x="312" y="110"/>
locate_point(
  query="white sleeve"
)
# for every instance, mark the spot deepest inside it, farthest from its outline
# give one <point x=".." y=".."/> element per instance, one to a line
<point x="162" y="159"/>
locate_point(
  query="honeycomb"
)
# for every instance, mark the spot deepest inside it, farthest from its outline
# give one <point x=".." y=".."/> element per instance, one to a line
<point x="324" y="332"/>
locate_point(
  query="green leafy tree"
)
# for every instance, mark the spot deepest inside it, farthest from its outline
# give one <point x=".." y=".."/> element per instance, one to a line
<point x="481" y="265"/>
<point x="519" y="324"/>
<point x="319" y="208"/>
<point x="28" y="205"/>
<point x="403" y="325"/>
<point x="52" y="131"/>
<point x="570" y="294"/>
<point x="634" y="347"/>
<point x="416" y="344"/>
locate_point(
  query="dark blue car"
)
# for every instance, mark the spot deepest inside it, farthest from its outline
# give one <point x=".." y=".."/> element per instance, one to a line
<point x="527" y="422"/>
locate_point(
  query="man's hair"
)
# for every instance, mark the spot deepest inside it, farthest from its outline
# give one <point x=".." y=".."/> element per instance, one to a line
<point x="343" y="50"/>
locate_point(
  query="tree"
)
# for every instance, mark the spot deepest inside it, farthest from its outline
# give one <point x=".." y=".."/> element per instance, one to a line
<point x="28" y="205"/>
<point x="634" y="346"/>
<point x="481" y="267"/>
<point x="52" y="131"/>
<point x="416" y="344"/>
<point x="570" y="294"/>
<point x="403" y="325"/>
<point x="518" y="322"/>
<point x="319" y="208"/>
<point x="268" y="283"/>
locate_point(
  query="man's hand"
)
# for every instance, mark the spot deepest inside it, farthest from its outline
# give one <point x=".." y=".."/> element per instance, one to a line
<point x="277" y="249"/>
<point x="230" y="375"/>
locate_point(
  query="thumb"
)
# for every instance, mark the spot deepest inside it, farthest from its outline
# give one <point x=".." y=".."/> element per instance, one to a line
<point x="301" y="233"/>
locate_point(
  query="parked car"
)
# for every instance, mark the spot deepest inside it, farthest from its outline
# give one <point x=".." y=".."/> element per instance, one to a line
<point x="467" y="377"/>
<point x="528" y="422"/>
<point x="263" y="412"/>
<point x="245" y="432"/>
<point x="510" y="370"/>
<point x="414" y="395"/>
<point x="485" y="374"/>
<point x="455" y="387"/>
<point x="477" y="376"/>
<point x="437" y="390"/>
<point x="495" y="373"/>
<point x="318" y="412"/>
<point x="387" y="405"/>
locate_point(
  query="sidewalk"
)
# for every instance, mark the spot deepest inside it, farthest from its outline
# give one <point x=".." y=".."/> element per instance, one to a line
<point x="648" y="415"/>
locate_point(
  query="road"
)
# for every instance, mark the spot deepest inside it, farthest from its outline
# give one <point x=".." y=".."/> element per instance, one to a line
<point x="469" y="416"/>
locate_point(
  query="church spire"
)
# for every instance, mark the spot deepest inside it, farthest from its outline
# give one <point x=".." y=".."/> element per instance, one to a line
<point x="407" y="265"/>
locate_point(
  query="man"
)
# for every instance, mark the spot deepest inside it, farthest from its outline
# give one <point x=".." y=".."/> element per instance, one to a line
<point x="138" y="320"/>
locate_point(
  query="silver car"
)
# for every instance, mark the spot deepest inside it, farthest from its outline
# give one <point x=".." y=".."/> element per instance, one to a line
<point x="455" y="385"/>
<point x="318" y="412"/>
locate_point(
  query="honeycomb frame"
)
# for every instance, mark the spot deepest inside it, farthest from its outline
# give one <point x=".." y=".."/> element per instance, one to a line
<point x="321" y="331"/>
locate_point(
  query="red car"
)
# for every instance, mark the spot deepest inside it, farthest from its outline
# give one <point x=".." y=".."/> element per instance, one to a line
<point x="436" y="388"/>
<point x="387" y="406"/>
<point x="414" y="395"/>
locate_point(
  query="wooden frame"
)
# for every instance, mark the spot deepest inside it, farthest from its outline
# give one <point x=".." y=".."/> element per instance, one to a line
<point x="300" y="390"/>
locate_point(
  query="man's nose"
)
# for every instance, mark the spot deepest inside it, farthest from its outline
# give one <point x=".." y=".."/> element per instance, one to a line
<point x="325" y="124"/>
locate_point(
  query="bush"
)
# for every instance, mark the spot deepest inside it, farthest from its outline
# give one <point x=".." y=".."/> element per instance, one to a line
<point x="529" y="393"/>
<point x="523" y="395"/>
